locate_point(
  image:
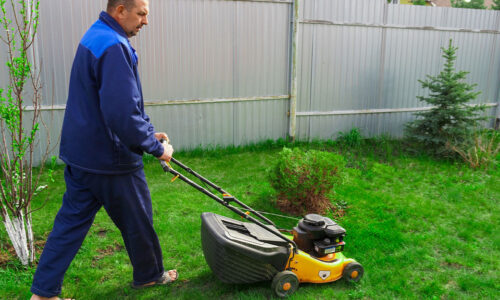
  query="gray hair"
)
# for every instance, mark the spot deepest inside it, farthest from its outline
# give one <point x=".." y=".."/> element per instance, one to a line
<point x="129" y="4"/>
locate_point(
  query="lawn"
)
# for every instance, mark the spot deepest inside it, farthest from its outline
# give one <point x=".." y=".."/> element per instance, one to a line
<point x="421" y="228"/>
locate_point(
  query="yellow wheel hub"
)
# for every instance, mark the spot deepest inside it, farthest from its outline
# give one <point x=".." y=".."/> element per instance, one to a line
<point x="354" y="274"/>
<point x="287" y="286"/>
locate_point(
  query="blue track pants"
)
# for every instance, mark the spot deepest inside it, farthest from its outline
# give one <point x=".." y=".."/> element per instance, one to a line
<point x="127" y="201"/>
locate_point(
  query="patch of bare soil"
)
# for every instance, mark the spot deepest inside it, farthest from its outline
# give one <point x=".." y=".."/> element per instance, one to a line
<point x="8" y="254"/>
<point x="109" y="250"/>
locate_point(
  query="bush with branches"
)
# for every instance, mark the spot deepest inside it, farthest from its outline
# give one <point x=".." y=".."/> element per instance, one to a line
<point x="304" y="180"/>
<point x="19" y="127"/>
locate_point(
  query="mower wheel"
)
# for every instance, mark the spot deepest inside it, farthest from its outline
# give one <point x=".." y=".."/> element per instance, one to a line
<point x="353" y="272"/>
<point x="285" y="283"/>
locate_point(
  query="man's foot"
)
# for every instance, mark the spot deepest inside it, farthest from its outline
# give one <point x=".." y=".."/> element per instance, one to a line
<point x="167" y="277"/>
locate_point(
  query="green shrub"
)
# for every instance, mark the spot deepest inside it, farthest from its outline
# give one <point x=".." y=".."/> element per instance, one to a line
<point x="481" y="150"/>
<point x="303" y="180"/>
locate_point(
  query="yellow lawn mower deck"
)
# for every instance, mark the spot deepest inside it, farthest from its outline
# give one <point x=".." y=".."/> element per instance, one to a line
<point x="243" y="252"/>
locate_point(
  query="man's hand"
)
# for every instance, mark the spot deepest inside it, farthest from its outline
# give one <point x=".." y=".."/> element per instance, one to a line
<point x="162" y="135"/>
<point x="168" y="150"/>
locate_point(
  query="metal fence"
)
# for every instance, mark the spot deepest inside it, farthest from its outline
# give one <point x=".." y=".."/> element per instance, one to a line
<point x="229" y="72"/>
<point x="360" y="62"/>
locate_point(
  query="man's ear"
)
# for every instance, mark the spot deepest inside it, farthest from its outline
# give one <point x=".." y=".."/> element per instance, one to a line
<point x="120" y="9"/>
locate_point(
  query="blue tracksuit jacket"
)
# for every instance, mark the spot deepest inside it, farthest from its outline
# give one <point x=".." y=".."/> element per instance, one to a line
<point x="105" y="128"/>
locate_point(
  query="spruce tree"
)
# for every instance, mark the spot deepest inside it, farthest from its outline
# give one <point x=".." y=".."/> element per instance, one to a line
<point x="450" y="119"/>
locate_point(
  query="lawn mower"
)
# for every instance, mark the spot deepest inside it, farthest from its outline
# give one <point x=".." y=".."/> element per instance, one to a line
<point x="247" y="252"/>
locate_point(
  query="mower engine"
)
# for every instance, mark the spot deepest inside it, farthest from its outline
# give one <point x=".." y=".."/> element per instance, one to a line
<point x="318" y="235"/>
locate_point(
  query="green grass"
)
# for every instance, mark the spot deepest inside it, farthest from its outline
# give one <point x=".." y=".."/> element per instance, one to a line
<point x="421" y="228"/>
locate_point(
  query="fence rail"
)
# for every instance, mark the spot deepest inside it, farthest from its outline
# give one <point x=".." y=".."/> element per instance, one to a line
<point x="392" y="26"/>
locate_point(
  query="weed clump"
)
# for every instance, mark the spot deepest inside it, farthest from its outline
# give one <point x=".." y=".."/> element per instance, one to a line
<point x="304" y="180"/>
<point x="480" y="150"/>
<point x="352" y="139"/>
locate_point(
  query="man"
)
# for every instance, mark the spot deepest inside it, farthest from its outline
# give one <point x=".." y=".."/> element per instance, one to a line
<point x="104" y="135"/>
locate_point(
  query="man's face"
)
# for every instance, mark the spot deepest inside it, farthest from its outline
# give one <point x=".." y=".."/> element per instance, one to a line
<point x="132" y="20"/>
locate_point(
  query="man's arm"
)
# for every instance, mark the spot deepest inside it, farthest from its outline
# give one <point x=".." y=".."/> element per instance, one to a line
<point x="120" y="102"/>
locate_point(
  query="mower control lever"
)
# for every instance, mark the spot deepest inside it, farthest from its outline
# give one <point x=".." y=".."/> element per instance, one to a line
<point x="228" y="198"/>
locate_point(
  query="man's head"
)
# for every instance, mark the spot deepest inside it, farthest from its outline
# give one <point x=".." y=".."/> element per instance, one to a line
<point x="130" y="14"/>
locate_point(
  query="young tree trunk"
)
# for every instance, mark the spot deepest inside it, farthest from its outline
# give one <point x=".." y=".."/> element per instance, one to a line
<point x="21" y="235"/>
<point x="31" y="243"/>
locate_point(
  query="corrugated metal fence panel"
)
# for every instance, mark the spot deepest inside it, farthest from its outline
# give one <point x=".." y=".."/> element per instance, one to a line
<point x="192" y="48"/>
<point x="409" y="56"/>
<point x="222" y="124"/>
<point x="190" y="126"/>
<point x="47" y="142"/>
<point x="472" y="19"/>
<point x="196" y="49"/>
<point x="262" y="54"/>
<point x="186" y="52"/>
<point x="373" y="59"/>
<point x="339" y="65"/>
<point x="352" y="11"/>
<point x="62" y="25"/>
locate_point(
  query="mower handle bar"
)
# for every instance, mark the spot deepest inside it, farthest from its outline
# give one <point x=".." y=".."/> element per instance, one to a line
<point x="217" y="188"/>
<point x="234" y="209"/>
<point x="220" y="190"/>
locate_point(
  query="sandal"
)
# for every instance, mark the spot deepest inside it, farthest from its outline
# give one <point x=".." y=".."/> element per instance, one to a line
<point x="164" y="279"/>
